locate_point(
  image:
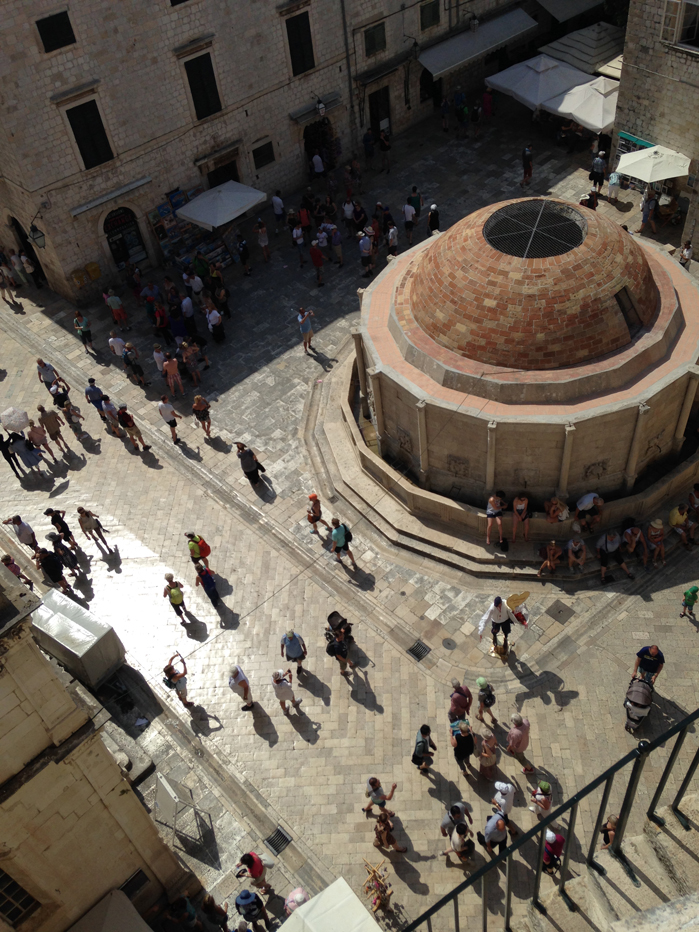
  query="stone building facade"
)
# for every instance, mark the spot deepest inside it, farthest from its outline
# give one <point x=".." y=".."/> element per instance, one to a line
<point x="71" y="828"/>
<point x="659" y="90"/>
<point x="107" y="109"/>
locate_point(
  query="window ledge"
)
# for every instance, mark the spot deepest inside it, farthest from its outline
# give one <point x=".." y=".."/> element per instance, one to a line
<point x="62" y="97"/>
<point x="291" y="6"/>
<point x="679" y="47"/>
<point x="195" y="45"/>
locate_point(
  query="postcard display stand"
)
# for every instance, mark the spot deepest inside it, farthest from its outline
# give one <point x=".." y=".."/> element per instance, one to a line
<point x="180" y="239"/>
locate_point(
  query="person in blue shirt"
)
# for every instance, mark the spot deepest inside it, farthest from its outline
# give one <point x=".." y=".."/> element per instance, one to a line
<point x="649" y="662"/>
<point x="340" y="542"/>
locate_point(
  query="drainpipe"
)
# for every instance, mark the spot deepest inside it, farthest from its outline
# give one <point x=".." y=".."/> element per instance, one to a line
<point x="352" y="114"/>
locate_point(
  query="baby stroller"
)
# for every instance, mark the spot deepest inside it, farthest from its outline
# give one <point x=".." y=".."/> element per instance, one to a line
<point x="639" y="698"/>
<point x="337" y="623"/>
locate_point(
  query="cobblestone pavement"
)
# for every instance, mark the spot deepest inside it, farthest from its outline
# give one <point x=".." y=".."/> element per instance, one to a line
<point x="568" y="676"/>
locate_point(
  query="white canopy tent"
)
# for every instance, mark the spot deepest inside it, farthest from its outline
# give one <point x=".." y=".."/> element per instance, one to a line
<point x="537" y="80"/>
<point x="589" y="49"/>
<point x="593" y="105"/>
<point x="337" y="908"/>
<point x="219" y="205"/>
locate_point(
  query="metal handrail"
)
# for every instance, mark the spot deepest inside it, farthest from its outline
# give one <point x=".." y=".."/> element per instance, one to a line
<point x="638" y="755"/>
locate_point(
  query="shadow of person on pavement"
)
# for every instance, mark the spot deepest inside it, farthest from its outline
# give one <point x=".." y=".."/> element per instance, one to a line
<point x="194" y="628"/>
<point x="62" y="486"/>
<point x="548" y="686"/>
<point x="326" y="362"/>
<point x="263" y="725"/>
<point x="265" y="490"/>
<point x="306" y="727"/>
<point x="227" y="619"/>
<point x="113" y="560"/>
<point x="218" y="444"/>
<point x="310" y="682"/>
<point x="201" y="722"/>
<point x="359" y="658"/>
<point x="188" y="451"/>
<point x="363" y="694"/>
<point x="408" y="873"/>
<point x="223" y="587"/>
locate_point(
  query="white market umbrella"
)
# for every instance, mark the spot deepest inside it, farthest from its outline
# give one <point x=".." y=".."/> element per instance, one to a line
<point x="335" y="909"/>
<point x="14" y="419"/>
<point x="654" y="164"/>
<point x="537" y="80"/>
<point x="593" y="105"/>
<point x="218" y="206"/>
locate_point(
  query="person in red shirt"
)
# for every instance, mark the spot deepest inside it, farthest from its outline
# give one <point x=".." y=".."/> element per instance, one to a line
<point x="253" y="868"/>
<point x="317" y="260"/>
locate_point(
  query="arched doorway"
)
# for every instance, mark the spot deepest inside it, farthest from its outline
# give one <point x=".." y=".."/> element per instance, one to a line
<point x="28" y="247"/>
<point x="124" y="237"/>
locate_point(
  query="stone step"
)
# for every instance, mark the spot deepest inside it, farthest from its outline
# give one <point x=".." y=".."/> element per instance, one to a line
<point x="679" y="915"/>
<point x="592" y="912"/>
<point x="676" y="848"/>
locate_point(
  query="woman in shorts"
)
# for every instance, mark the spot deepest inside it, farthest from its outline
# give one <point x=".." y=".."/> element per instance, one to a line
<point x="520" y="515"/>
<point x="202" y="412"/>
<point x="315" y="513"/>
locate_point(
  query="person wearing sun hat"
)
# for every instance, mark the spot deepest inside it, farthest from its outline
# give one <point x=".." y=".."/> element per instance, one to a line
<point x="541" y="799"/>
<point x="295" y="648"/>
<point x="655" y="536"/>
<point x="553" y="849"/>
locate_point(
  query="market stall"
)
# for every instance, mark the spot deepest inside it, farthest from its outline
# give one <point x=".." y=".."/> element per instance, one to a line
<point x="195" y="220"/>
<point x="592" y="105"/>
<point x="539" y="79"/>
<point x="337" y="908"/>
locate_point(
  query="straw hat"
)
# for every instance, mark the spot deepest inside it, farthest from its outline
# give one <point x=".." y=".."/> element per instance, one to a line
<point x="515" y="601"/>
<point x="658" y="523"/>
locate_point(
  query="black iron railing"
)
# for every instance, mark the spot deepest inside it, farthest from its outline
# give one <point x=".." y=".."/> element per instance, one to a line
<point x="638" y="757"/>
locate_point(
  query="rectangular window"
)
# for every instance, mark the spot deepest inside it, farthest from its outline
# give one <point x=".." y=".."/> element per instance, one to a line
<point x="15" y="903"/>
<point x="177" y="2"/>
<point x="55" y="31"/>
<point x="298" y="32"/>
<point x="202" y="85"/>
<point x="86" y="122"/>
<point x="689" y="32"/>
<point x="375" y="39"/>
<point x="429" y="14"/>
<point x="263" y="155"/>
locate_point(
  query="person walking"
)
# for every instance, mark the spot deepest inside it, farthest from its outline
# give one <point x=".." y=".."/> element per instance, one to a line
<point x="365" y="251"/>
<point x="115" y="305"/>
<point x="341" y="538"/>
<point x="90" y="526"/>
<point x="254" y="868"/>
<point x="650" y="202"/>
<point x="173" y="592"/>
<point x="93" y="395"/>
<point x="177" y="679"/>
<point x="503" y="801"/>
<point x="52" y="423"/>
<point x="30" y="457"/>
<point x="10" y="456"/>
<point x="409" y="213"/>
<point x="433" y="219"/>
<point x="172" y="374"/>
<point x="111" y="413"/>
<point x="249" y="463"/>
<point x="251" y="907"/>
<point x="609" y="547"/>
<point x="64" y="553"/>
<point x="461" y="700"/>
<point x="240" y="684"/>
<point x="306" y="326"/>
<point x="295" y="647"/>
<point x="73" y="418"/>
<point x="599" y="167"/>
<point x="23" y="532"/>
<point x="383" y="830"/>
<point x="281" y="683"/>
<point x="457" y="814"/>
<point x="202" y="412"/>
<point x="58" y="521"/>
<point x="392" y="239"/>
<point x="170" y="416"/>
<point x="214" y="322"/>
<point x="82" y="327"/>
<point x="689" y="600"/>
<point x="46" y="373"/>
<point x="134" y="434"/>
<point x="424" y="746"/>
<point x="649" y="664"/>
<point x="199" y="550"/>
<point x="460" y="844"/>
<point x="518" y="741"/>
<point x="488" y="755"/>
<point x="18" y="268"/>
<point x="376" y="796"/>
<point x="315" y="514"/>
<point x="14" y="568"/>
<point x="527" y="165"/>
<point x="317" y="260"/>
<point x="116" y="346"/>
<point x="205" y="579"/>
<point x="132" y="365"/>
<point x="50" y="564"/>
<point x="498" y="617"/>
<point x="464" y="744"/>
<point x="37" y="435"/>
<point x="339" y="649"/>
<point x="541" y="799"/>
<point x="494" y="834"/>
<point x="486" y="699"/>
<point x="336" y="243"/>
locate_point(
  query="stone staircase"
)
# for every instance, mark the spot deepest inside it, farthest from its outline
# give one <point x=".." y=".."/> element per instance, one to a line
<point x="666" y="864"/>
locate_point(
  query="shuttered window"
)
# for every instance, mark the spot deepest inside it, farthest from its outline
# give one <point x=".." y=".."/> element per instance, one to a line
<point x="86" y="122"/>
<point x="263" y="155"/>
<point x="55" y="31"/>
<point x="298" y="31"/>
<point x="374" y="39"/>
<point x="429" y="14"/>
<point x="202" y="86"/>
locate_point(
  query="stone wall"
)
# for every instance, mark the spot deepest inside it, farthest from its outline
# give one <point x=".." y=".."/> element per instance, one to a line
<point x="659" y="91"/>
<point x="130" y="64"/>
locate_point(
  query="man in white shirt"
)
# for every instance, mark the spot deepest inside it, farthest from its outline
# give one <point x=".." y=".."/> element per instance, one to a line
<point x="239" y="683"/>
<point x="278" y="208"/>
<point x="159" y="358"/>
<point x="588" y="511"/>
<point x="24" y="532"/>
<point x="170" y="416"/>
<point x="117" y="345"/>
<point x="409" y="218"/>
<point x="392" y="239"/>
<point x="318" y="166"/>
<point x="187" y="307"/>
<point x="197" y="286"/>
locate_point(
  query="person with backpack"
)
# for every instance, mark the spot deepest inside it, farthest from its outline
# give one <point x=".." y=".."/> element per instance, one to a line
<point x="129" y="425"/>
<point x="486" y="699"/>
<point x="339" y="650"/>
<point x="63" y="552"/>
<point x="205" y="579"/>
<point x="541" y="799"/>
<point x="422" y="753"/>
<point x="198" y="549"/>
<point x="251" y="908"/>
<point x="553" y="849"/>
<point x="341" y="537"/>
<point x="177" y="680"/>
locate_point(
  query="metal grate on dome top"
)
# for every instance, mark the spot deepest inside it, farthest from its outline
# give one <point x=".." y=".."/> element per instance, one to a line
<point x="535" y="229"/>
